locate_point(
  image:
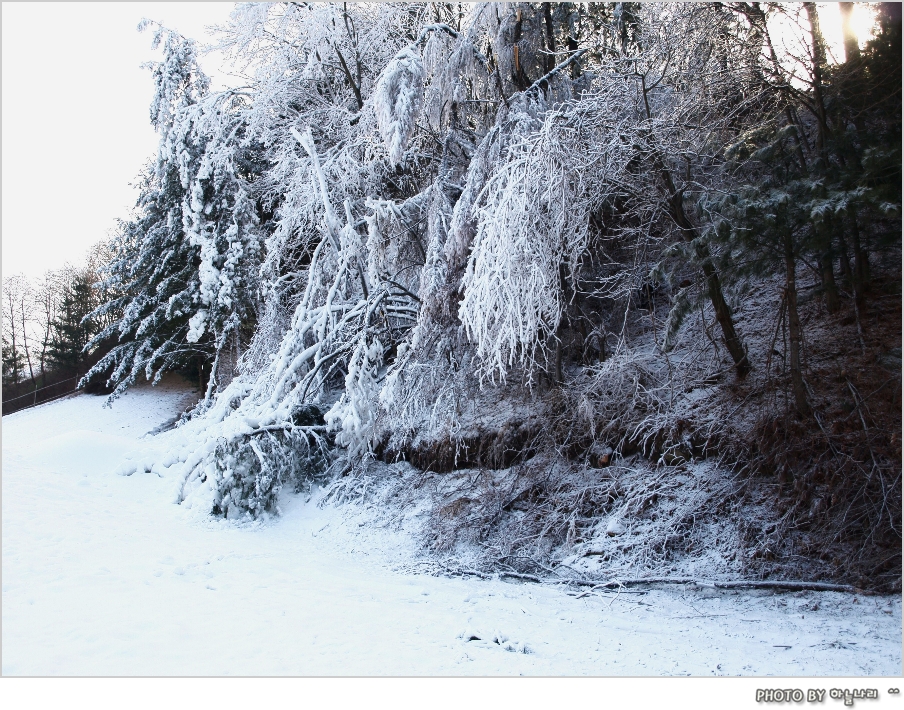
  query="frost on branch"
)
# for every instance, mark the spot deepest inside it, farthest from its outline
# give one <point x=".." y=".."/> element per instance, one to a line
<point x="398" y="97"/>
<point x="355" y="412"/>
<point x="435" y="289"/>
<point x="531" y="219"/>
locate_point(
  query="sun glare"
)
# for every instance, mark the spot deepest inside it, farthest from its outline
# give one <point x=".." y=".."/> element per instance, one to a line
<point x="790" y="35"/>
<point x="862" y="18"/>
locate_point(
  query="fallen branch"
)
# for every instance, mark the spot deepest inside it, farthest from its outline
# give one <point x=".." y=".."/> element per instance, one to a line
<point x="289" y="426"/>
<point x="518" y="575"/>
<point x="486" y="575"/>
<point x="736" y="584"/>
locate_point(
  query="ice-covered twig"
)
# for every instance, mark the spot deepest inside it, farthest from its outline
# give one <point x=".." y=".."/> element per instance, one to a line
<point x="440" y="27"/>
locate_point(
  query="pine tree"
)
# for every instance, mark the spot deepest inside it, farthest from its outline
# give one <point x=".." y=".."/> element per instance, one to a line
<point x="185" y="266"/>
<point x="13" y="364"/>
<point x="72" y="329"/>
<point x="767" y="226"/>
<point x="817" y="196"/>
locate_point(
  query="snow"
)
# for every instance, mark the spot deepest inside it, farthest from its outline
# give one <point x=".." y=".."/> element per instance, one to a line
<point x="104" y="575"/>
<point x="532" y="215"/>
<point x="397" y="99"/>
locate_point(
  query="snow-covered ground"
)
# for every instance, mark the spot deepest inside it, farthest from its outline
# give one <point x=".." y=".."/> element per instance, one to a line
<point x="104" y="575"/>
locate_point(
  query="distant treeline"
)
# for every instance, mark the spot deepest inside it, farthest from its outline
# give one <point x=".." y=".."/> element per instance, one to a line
<point x="46" y="328"/>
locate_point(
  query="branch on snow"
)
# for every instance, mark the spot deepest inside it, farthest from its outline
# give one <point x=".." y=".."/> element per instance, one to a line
<point x="618" y="583"/>
<point x="737" y="584"/>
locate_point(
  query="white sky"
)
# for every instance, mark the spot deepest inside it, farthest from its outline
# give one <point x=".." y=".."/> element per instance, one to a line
<point x="75" y="118"/>
<point x="76" y="128"/>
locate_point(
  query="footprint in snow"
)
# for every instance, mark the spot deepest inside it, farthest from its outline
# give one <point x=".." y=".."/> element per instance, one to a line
<point x="494" y="640"/>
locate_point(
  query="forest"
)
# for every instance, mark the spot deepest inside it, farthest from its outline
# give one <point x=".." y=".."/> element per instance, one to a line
<point x="593" y="289"/>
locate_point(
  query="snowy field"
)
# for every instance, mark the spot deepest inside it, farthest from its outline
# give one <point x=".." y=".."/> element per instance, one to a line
<point x="104" y="575"/>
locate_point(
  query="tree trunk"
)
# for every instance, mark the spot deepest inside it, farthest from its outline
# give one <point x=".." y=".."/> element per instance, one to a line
<point x="794" y="332"/>
<point x="817" y="65"/>
<point x="829" y="286"/>
<point x="827" y="268"/>
<point x="13" y="348"/>
<point x="846" y="269"/>
<point x="723" y="316"/>
<point x="550" y="37"/>
<point x="861" y="258"/>
<point x="558" y="362"/>
<point x="851" y="43"/>
<point x="560" y="330"/>
<point x="714" y="286"/>
<point x="518" y="76"/>
<point x="573" y="47"/>
<point x="31" y="371"/>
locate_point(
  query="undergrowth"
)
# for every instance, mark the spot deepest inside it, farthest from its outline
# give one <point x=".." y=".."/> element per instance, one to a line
<point x="652" y="466"/>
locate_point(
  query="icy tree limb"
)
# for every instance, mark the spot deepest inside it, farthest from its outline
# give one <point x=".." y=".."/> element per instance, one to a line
<point x="332" y="221"/>
<point x="538" y="84"/>
<point x="440" y="27"/>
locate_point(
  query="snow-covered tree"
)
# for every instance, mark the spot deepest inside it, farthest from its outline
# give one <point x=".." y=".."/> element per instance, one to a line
<point x="458" y="144"/>
<point x="186" y="266"/>
<point x="466" y="234"/>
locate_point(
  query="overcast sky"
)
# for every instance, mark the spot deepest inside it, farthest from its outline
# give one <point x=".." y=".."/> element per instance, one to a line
<point x="76" y="129"/>
<point x="75" y="118"/>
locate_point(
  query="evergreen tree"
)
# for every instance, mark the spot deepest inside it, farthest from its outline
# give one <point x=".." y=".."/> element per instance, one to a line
<point x="817" y="189"/>
<point x="73" y="328"/>
<point x="13" y="364"/>
<point x="768" y="228"/>
<point x="185" y="265"/>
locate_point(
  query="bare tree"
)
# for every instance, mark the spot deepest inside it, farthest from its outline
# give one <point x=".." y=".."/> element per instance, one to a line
<point x="47" y="295"/>
<point x="18" y="304"/>
<point x="11" y="330"/>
